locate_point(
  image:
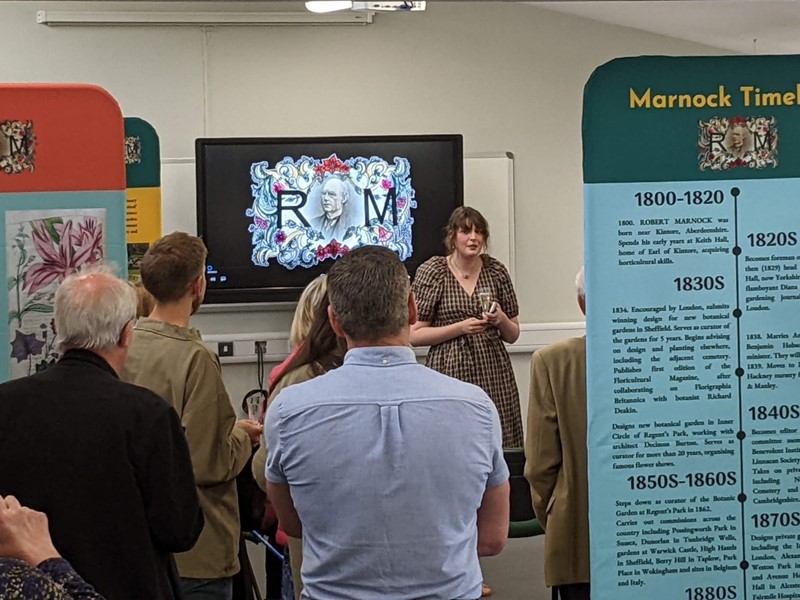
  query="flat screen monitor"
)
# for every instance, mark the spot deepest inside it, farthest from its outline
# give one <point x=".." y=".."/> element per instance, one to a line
<point x="277" y="212"/>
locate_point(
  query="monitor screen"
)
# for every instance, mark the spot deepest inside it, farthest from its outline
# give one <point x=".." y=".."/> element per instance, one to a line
<point x="275" y="213"/>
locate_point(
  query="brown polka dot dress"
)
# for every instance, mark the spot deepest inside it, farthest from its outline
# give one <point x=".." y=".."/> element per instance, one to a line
<point x="480" y="359"/>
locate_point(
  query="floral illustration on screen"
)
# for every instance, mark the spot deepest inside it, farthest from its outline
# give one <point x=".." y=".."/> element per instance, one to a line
<point x="43" y="250"/>
<point x="738" y="142"/>
<point x="310" y="210"/>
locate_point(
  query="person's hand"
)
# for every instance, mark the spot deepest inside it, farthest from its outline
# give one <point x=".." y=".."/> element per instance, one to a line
<point x="24" y="533"/>
<point x="473" y="325"/>
<point x="495" y="317"/>
<point x="252" y="428"/>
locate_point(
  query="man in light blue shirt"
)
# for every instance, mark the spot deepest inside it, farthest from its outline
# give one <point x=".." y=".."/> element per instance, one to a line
<point x="392" y="473"/>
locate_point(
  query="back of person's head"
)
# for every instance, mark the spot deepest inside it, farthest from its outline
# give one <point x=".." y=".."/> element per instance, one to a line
<point x="144" y="300"/>
<point x="310" y="300"/>
<point x="368" y="290"/>
<point x="172" y="264"/>
<point x="92" y="308"/>
<point x="580" y="283"/>
<point x="464" y="218"/>
<point x="322" y="350"/>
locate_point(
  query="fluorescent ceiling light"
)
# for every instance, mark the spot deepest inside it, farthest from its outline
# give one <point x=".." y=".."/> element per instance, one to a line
<point x="326" y="6"/>
<point x="391" y="6"/>
<point x="142" y="18"/>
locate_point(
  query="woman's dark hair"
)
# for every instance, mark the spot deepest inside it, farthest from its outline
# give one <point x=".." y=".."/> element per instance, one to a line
<point x="464" y="218"/>
<point x="322" y="349"/>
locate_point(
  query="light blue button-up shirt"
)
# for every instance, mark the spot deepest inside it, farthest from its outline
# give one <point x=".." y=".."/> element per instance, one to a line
<point x="387" y="462"/>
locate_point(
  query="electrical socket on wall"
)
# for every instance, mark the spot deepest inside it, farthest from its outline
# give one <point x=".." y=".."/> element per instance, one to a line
<point x="225" y="349"/>
<point x="260" y="346"/>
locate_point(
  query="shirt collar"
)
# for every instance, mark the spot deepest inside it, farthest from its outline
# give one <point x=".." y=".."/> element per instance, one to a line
<point x="380" y="356"/>
<point x="79" y="355"/>
<point x="168" y="329"/>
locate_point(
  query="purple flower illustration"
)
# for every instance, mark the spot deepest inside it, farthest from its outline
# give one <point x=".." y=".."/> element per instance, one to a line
<point x="401" y="202"/>
<point x="261" y="223"/>
<point x="280" y="237"/>
<point x="25" y="345"/>
<point x="386" y="184"/>
<point x="59" y="259"/>
<point x="278" y="187"/>
<point x="90" y="233"/>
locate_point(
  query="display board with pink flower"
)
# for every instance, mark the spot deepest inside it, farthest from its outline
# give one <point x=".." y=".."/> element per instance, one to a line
<point x="60" y="211"/>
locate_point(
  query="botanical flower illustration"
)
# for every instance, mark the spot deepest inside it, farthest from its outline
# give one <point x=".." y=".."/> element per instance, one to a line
<point x="46" y="250"/>
<point x="25" y="345"/>
<point x="332" y="164"/>
<point x="384" y="234"/>
<point x="62" y="251"/>
<point x="332" y="250"/>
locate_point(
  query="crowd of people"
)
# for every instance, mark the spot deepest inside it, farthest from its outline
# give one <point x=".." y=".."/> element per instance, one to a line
<point x="387" y="477"/>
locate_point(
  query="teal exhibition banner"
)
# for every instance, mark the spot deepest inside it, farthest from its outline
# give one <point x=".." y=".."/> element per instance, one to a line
<point x="692" y="222"/>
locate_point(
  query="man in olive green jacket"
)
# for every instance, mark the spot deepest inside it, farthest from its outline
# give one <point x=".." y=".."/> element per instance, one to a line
<point x="169" y="358"/>
<point x="556" y="462"/>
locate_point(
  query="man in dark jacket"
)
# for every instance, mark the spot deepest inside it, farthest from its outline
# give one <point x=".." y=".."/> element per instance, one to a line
<point x="106" y="461"/>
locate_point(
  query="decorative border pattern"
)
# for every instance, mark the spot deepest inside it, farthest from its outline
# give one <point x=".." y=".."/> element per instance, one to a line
<point x="133" y="150"/>
<point x="287" y="199"/>
<point x="17" y="147"/>
<point x="751" y="143"/>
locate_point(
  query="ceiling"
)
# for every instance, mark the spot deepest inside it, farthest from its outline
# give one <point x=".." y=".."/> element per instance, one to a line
<point x="741" y="26"/>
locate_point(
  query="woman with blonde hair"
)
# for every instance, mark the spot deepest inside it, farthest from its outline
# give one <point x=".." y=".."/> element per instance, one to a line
<point x="309" y="300"/>
<point x="145" y="303"/>
<point x="316" y="353"/>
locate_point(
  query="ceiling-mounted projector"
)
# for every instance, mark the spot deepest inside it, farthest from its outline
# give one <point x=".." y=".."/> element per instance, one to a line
<point x="323" y="6"/>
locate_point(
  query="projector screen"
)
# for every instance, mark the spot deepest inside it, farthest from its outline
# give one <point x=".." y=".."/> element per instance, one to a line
<point x="275" y="213"/>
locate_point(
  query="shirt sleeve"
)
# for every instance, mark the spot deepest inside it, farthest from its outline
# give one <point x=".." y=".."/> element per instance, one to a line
<point x="427" y="288"/>
<point x="261" y="455"/>
<point x="259" y="465"/>
<point x="272" y="425"/>
<point x="166" y="480"/>
<point x="543" y="442"/>
<point x="218" y="448"/>
<point x="505" y="289"/>
<point x="500" y="473"/>
<point x="61" y="582"/>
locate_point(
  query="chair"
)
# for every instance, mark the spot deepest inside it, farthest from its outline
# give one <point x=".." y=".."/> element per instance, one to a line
<point x="523" y="522"/>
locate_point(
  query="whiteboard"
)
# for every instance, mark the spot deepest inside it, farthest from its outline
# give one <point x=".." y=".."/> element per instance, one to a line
<point x="488" y="187"/>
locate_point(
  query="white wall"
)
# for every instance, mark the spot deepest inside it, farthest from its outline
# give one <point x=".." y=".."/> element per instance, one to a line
<point x="509" y="76"/>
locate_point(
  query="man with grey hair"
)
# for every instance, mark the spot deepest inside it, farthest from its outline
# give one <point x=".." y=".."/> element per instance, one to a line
<point x="556" y="462"/>
<point x="336" y="212"/>
<point x="396" y="471"/>
<point x="105" y="460"/>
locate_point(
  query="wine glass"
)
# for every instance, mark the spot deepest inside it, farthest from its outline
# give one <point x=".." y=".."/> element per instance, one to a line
<point x="485" y="297"/>
<point x="254" y="406"/>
